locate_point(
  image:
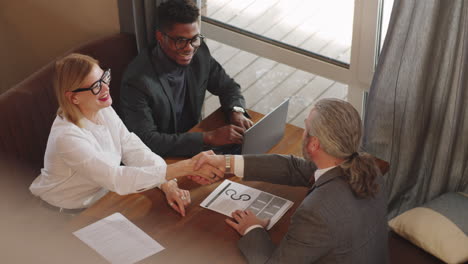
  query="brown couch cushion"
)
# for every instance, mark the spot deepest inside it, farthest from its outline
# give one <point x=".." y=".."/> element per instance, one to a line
<point x="28" y="109"/>
<point x="113" y="52"/>
<point x="401" y="251"/>
<point x="26" y="114"/>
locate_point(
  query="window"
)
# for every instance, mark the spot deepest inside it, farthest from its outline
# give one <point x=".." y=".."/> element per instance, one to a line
<point x="336" y="40"/>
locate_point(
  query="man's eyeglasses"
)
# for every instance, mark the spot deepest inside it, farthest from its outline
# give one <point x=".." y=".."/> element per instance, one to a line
<point x="96" y="87"/>
<point x="181" y="43"/>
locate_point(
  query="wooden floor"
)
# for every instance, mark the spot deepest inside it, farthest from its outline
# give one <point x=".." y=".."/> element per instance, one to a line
<point x="266" y="83"/>
<point x="314" y="25"/>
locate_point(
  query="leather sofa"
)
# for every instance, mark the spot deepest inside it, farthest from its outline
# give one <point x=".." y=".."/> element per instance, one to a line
<point x="28" y="109"/>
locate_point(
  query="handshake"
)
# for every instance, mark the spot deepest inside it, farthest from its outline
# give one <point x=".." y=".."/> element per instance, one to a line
<point x="204" y="168"/>
<point x="207" y="167"/>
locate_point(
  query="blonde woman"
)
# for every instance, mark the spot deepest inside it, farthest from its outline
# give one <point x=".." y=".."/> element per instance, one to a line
<point x="88" y="144"/>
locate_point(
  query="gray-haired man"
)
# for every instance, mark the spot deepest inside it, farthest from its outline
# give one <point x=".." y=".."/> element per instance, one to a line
<point x="343" y="217"/>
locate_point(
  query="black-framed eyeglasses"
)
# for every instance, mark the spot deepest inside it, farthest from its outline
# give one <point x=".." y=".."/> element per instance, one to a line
<point x="181" y="43"/>
<point x="96" y="87"/>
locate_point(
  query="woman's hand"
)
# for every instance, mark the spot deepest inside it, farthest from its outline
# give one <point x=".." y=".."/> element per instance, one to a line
<point x="204" y="159"/>
<point x="186" y="168"/>
<point x="209" y="158"/>
<point x="177" y="198"/>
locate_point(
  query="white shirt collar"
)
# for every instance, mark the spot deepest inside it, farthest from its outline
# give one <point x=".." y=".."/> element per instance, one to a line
<point x="320" y="172"/>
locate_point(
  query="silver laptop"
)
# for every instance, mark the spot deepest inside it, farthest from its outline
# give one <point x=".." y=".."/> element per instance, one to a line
<point x="263" y="135"/>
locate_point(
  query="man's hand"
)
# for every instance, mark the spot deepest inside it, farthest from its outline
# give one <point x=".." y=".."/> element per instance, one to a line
<point x="177" y="198"/>
<point x="217" y="161"/>
<point x="240" y="120"/>
<point x="208" y="173"/>
<point x="199" y="160"/>
<point x="187" y="167"/>
<point x="245" y="219"/>
<point x="202" y="154"/>
<point x="229" y="134"/>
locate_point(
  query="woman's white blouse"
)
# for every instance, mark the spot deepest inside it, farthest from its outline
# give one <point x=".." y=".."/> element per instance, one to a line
<point x="82" y="164"/>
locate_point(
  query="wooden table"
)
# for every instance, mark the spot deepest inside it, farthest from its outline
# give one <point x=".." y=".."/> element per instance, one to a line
<point x="201" y="236"/>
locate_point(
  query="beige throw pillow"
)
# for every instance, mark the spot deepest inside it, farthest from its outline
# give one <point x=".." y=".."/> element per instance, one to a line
<point x="440" y="227"/>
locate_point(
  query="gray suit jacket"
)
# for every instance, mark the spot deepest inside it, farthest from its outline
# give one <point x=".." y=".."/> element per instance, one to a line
<point x="330" y="226"/>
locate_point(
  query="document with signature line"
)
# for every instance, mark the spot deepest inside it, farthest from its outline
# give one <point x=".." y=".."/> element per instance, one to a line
<point x="231" y="196"/>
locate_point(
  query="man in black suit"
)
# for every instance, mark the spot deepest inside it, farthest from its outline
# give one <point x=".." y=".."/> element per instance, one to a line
<point x="164" y="87"/>
<point x="343" y="217"/>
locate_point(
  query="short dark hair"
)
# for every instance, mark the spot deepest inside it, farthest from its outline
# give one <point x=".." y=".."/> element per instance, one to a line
<point x="177" y="11"/>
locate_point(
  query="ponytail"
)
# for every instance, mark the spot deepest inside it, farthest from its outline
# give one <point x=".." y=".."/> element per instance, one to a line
<point x="361" y="172"/>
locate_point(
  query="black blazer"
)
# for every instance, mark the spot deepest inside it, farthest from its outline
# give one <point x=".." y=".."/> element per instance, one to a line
<point x="147" y="105"/>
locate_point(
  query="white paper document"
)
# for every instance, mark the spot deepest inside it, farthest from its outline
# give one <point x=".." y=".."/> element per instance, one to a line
<point x="231" y="196"/>
<point x="118" y="240"/>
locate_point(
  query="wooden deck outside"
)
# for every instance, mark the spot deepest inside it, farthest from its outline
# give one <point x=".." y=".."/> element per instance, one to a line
<point x="265" y="83"/>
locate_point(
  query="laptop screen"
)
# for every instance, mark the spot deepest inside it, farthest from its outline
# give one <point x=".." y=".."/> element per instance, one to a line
<point x="262" y="136"/>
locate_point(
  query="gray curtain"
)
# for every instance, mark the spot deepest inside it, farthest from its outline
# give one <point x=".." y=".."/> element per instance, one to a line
<point x="139" y="17"/>
<point x="417" y="115"/>
<point x="144" y="15"/>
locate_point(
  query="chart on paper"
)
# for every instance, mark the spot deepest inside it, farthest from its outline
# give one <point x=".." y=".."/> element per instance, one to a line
<point x="230" y="196"/>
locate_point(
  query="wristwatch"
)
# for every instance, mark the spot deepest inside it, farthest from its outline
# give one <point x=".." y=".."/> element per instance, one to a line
<point x="238" y="109"/>
<point x="228" y="164"/>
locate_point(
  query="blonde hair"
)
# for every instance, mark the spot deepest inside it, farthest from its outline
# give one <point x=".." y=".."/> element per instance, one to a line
<point x="70" y="73"/>
<point x="338" y="127"/>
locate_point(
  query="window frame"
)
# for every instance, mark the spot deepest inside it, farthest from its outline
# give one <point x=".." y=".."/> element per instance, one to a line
<point x="364" y="50"/>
